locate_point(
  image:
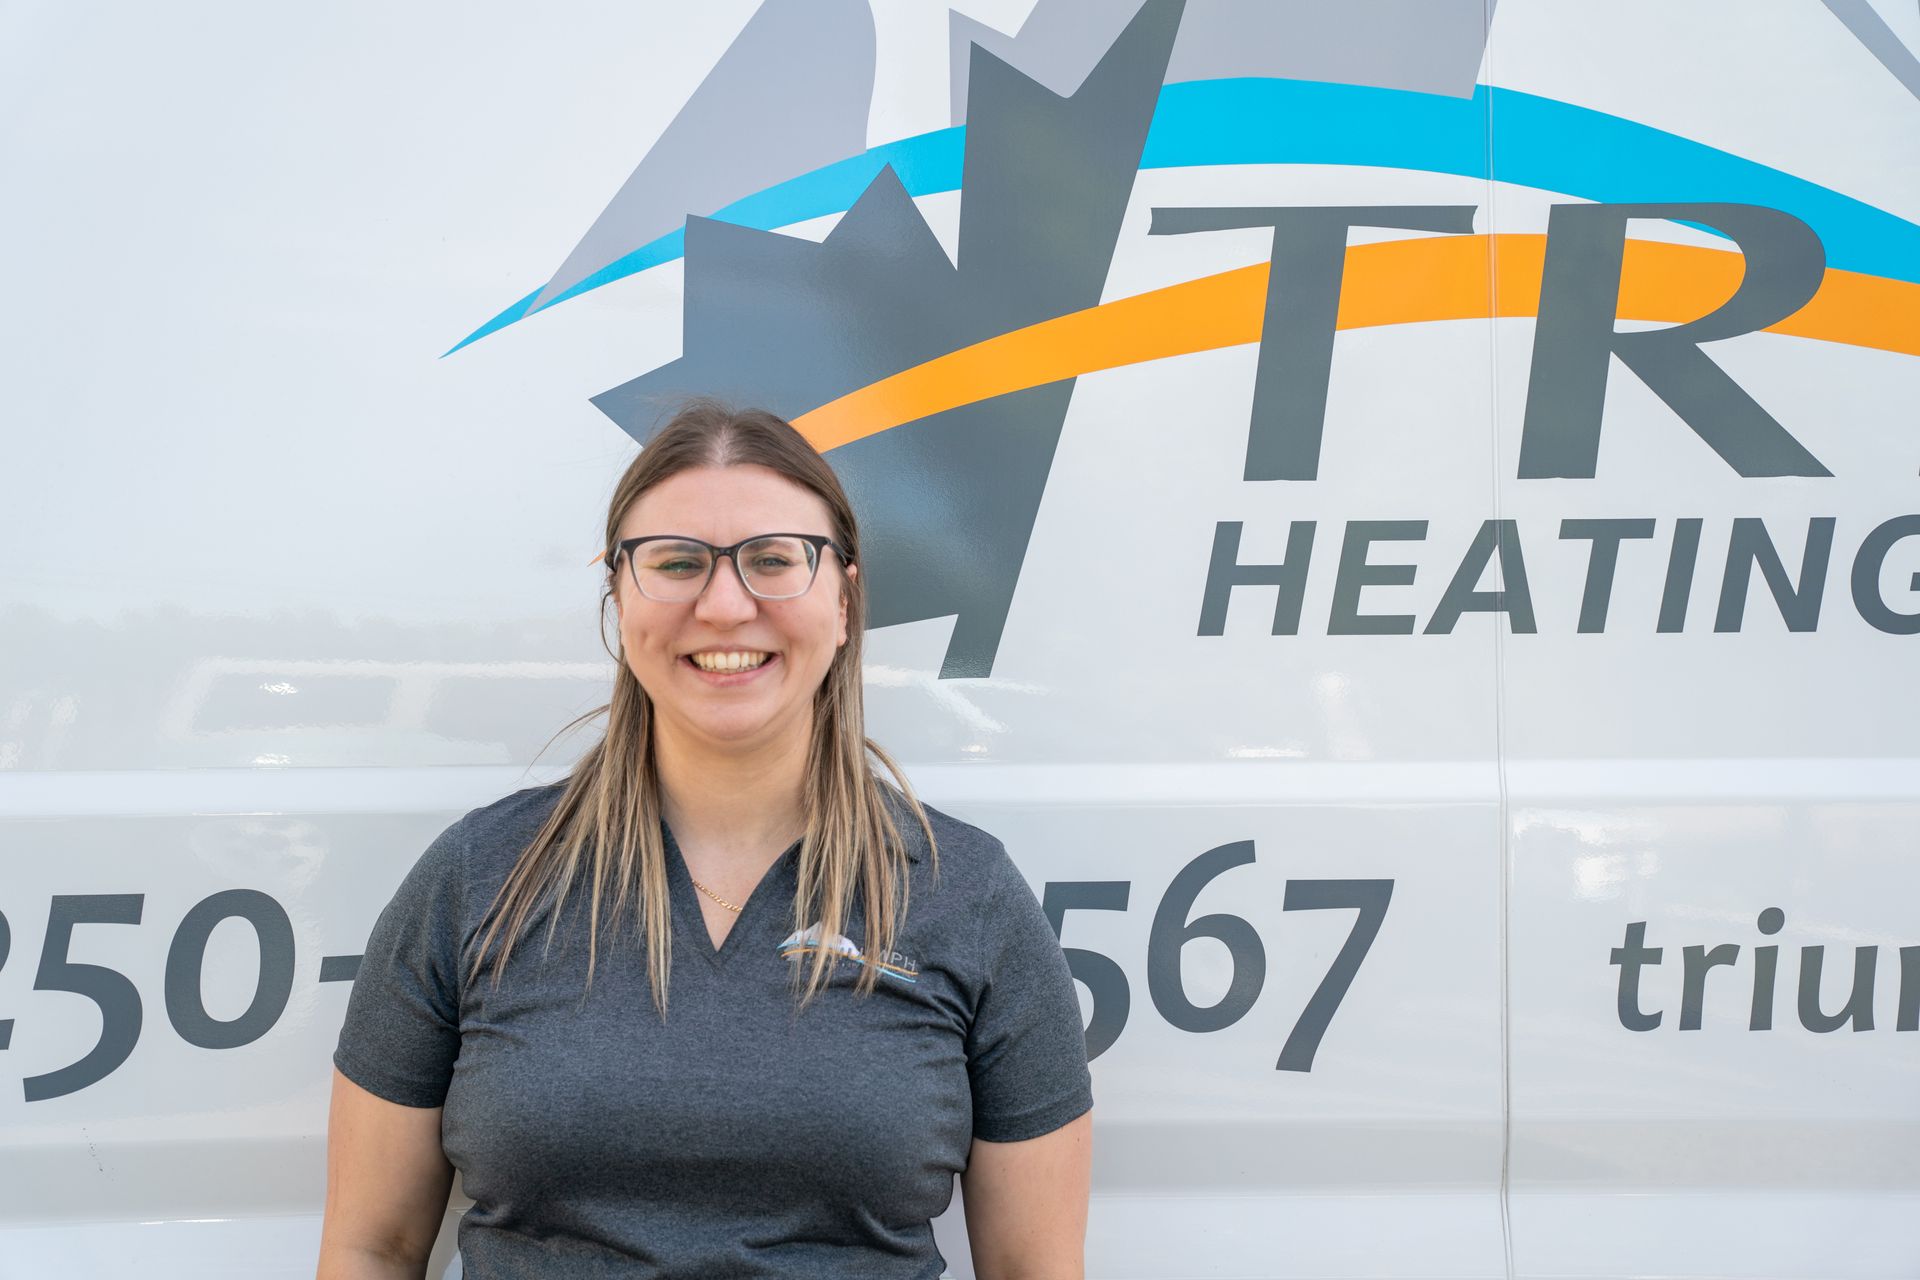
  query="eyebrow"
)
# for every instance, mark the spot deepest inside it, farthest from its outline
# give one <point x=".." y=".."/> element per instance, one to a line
<point x="692" y="541"/>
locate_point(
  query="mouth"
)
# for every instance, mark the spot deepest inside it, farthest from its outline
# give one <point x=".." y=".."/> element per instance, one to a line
<point x="729" y="668"/>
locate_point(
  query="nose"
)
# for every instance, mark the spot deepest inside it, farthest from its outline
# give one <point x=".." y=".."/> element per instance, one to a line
<point x="726" y="598"/>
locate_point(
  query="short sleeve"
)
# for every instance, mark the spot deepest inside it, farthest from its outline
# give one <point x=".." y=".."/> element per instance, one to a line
<point x="402" y="1030"/>
<point x="1026" y="1051"/>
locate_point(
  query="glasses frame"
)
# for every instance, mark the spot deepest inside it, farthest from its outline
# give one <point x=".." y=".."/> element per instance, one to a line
<point x="627" y="546"/>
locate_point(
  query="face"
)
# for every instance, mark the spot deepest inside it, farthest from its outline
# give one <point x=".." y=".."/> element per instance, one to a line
<point x="742" y="709"/>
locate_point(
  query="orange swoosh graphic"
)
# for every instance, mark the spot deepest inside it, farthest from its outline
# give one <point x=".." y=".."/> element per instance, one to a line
<point x="1393" y="282"/>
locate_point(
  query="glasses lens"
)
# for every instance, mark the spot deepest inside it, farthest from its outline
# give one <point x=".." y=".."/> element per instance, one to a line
<point x="777" y="567"/>
<point x="668" y="570"/>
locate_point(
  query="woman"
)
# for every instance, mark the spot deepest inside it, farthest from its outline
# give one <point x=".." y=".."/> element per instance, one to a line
<point x="774" y="1002"/>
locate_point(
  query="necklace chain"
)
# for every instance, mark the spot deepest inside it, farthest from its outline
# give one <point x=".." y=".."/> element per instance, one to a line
<point x="716" y="897"/>
<point x="711" y="894"/>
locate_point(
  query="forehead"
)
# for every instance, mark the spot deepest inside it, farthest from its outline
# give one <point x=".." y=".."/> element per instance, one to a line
<point x="724" y="504"/>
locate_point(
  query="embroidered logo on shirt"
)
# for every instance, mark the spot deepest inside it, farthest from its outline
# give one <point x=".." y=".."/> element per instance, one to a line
<point x="894" y="965"/>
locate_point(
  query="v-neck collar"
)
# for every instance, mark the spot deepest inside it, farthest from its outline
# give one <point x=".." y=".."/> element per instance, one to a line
<point x="686" y="902"/>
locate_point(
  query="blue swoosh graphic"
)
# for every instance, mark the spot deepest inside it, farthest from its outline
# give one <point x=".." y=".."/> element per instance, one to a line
<point x="1538" y="142"/>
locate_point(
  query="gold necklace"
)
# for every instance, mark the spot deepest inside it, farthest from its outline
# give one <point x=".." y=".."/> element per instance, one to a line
<point x="716" y="897"/>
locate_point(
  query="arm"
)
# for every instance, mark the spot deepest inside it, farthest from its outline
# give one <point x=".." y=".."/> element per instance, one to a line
<point x="387" y="1185"/>
<point x="1026" y="1204"/>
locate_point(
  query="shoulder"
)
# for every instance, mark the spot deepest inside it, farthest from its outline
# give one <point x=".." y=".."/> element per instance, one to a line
<point x="973" y="863"/>
<point x="486" y="840"/>
<point x="525" y="810"/>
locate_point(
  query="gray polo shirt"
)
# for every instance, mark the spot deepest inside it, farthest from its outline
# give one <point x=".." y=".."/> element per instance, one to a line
<point x="734" y="1139"/>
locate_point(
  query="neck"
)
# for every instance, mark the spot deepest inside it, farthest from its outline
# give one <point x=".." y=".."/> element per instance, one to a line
<point x="743" y="803"/>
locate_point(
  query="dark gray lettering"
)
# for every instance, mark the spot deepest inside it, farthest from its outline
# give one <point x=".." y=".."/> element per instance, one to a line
<point x="111" y="990"/>
<point x="1345" y="618"/>
<point x="1909" y="1018"/>
<point x="1679" y="584"/>
<point x="1225" y="572"/>
<point x="1369" y="898"/>
<point x="1511" y="598"/>
<point x="1697" y="962"/>
<point x="1859" y="1006"/>
<point x="1766" y="963"/>
<point x="1307" y="264"/>
<point x="186" y="958"/>
<point x="6" y="945"/>
<point x="1602" y="559"/>
<point x="1574" y="338"/>
<point x="1630" y="956"/>
<point x="1799" y="601"/>
<point x="1866" y="578"/>
<point x="1102" y="976"/>
<point x="1171" y="931"/>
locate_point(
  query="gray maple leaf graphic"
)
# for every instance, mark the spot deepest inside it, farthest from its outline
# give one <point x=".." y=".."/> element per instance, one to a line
<point x="946" y="503"/>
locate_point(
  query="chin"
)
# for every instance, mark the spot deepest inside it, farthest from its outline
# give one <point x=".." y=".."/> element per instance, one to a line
<point x="733" y="728"/>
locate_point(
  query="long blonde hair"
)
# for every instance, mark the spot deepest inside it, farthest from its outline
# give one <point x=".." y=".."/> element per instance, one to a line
<point x="605" y="828"/>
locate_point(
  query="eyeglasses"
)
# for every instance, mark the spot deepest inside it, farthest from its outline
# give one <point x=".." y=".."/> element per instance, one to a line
<point x="674" y="568"/>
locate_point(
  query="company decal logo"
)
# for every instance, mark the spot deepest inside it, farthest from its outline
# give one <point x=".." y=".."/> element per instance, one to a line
<point x="806" y="941"/>
<point x="905" y="364"/>
<point x="1633" y="957"/>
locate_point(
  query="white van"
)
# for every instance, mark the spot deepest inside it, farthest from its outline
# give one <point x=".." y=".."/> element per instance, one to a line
<point x="1402" y="515"/>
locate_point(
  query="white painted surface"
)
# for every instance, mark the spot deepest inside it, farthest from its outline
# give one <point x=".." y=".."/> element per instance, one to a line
<point x="286" y="593"/>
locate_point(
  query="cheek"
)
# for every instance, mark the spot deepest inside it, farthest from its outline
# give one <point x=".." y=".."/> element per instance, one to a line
<point x="641" y="636"/>
<point x="652" y="644"/>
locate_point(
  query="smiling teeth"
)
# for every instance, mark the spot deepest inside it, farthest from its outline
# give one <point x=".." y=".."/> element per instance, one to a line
<point x="729" y="661"/>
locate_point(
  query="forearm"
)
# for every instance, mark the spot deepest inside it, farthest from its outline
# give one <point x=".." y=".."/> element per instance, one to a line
<point x="1029" y="1270"/>
<point x="339" y="1262"/>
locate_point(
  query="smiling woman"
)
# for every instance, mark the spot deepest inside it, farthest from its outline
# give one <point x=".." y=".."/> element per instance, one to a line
<point x="796" y="1116"/>
<point x="766" y="593"/>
